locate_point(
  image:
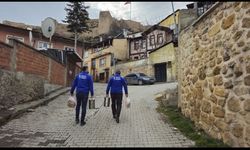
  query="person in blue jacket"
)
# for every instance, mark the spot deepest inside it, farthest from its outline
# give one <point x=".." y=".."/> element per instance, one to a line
<point x="116" y="83"/>
<point x="84" y="84"/>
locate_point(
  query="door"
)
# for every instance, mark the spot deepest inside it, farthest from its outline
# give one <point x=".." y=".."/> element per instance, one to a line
<point x="70" y="72"/>
<point x="160" y="72"/>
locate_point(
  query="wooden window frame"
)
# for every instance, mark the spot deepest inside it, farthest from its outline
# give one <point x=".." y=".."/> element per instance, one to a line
<point x="136" y="45"/>
<point x="160" y="35"/>
<point x="38" y="42"/>
<point x="104" y="62"/>
<point x="142" y="43"/>
<point x="152" y="40"/>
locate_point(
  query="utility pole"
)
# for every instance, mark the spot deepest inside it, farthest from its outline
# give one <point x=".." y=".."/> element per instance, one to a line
<point x="176" y="28"/>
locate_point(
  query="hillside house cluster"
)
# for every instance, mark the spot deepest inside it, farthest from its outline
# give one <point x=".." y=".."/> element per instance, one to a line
<point x="156" y="44"/>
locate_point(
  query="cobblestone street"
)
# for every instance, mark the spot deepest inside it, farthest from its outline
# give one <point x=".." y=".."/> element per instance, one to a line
<point x="53" y="125"/>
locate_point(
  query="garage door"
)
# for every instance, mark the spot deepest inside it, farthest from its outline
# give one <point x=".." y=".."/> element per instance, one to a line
<point x="160" y="72"/>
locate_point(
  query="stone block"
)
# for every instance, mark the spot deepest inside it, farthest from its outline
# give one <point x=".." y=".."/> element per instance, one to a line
<point x="216" y="70"/>
<point x="214" y="30"/>
<point x="218" y="112"/>
<point x="247" y="80"/>
<point x="206" y="107"/>
<point x="233" y="104"/>
<point x="237" y="130"/>
<point x="246" y="23"/>
<point x="218" y="80"/>
<point x="221" y="125"/>
<point x="240" y="91"/>
<point x="245" y="5"/>
<point x="230" y="117"/>
<point x="219" y="91"/>
<point x="247" y="105"/>
<point x="228" y="22"/>
<point x="247" y="118"/>
<point x="237" y="35"/>
<point x="228" y="84"/>
<point x="226" y="56"/>
<point x="213" y="98"/>
<point x="238" y="71"/>
<point x="247" y="135"/>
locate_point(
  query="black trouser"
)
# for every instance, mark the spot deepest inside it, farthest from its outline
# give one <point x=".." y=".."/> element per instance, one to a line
<point x="82" y="100"/>
<point x="116" y="104"/>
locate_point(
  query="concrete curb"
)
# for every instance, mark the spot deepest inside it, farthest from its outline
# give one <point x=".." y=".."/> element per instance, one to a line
<point x="22" y="108"/>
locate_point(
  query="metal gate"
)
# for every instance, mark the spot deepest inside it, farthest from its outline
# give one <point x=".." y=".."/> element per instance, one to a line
<point x="160" y="72"/>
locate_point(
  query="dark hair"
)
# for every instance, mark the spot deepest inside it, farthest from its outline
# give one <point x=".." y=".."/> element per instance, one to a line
<point x="118" y="71"/>
<point x="84" y="68"/>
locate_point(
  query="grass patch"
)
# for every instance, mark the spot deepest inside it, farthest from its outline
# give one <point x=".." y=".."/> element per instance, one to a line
<point x="187" y="127"/>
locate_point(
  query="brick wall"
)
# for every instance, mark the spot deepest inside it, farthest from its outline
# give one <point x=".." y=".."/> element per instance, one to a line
<point x="31" y="61"/>
<point x="25" y="73"/>
<point x="5" y="51"/>
<point x="57" y="73"/>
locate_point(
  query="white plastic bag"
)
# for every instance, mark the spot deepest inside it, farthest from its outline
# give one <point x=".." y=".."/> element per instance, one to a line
<point x="71" y="102"/>
<point x="127" y="102"/>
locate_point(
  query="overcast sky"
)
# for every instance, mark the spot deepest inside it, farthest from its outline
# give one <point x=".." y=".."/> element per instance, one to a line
<point x="34" y="12"/>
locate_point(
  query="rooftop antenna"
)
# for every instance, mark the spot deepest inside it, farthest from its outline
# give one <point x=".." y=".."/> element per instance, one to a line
<point x="48" y="28"/>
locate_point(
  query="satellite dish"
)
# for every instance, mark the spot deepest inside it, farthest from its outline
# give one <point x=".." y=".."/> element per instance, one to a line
<point x="48" y="27"/>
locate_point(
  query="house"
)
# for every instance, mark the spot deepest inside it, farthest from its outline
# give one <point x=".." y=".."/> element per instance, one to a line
<point x="58" y="49"/>
<point x="104" y="55"/>
<point x="200" y="7"/>
<point x="153" y="51"/>
<point x="161" y="52"/>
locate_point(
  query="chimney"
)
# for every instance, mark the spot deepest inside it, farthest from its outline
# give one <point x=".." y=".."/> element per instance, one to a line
<point x="30" y="35"/>
<point x="125" y="33"/>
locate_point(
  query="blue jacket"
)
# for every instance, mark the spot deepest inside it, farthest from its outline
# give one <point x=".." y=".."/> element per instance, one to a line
<point x="116" y="83"/>
<point x="83" y="83"/>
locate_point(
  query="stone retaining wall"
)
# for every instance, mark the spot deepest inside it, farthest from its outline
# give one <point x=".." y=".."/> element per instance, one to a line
<point x="214" y="73"/>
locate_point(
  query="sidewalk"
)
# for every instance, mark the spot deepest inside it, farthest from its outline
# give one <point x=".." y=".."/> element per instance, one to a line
<point x="17" y="110"/>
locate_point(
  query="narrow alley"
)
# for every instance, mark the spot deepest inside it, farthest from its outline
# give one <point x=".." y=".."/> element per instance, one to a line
<point x="53" y="125"/>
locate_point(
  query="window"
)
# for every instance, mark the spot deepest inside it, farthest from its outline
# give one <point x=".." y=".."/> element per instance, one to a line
<point x="136" y="57"/>
<point x="131" y="75"/>
<point x="152" y="40"/>
<point x="69" y="48"/>
<point x="86" y="54"/>
<point x="160" y="38"/>
<point x="143" y="44"/>
<point x="15" y="37"/>
<point x="43" y="45"/>
<point x="136" y="45"/>
<point x="200" y="11"/>
<point x="93" y="64"/>
<point x="142" y="75"/>
<point x="102" y="62"/>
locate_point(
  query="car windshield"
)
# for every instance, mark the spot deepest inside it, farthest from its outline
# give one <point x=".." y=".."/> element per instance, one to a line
<point x="143" y="75"/>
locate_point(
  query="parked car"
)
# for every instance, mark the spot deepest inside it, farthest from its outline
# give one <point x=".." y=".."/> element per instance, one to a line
<point x="139" y="78"/>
